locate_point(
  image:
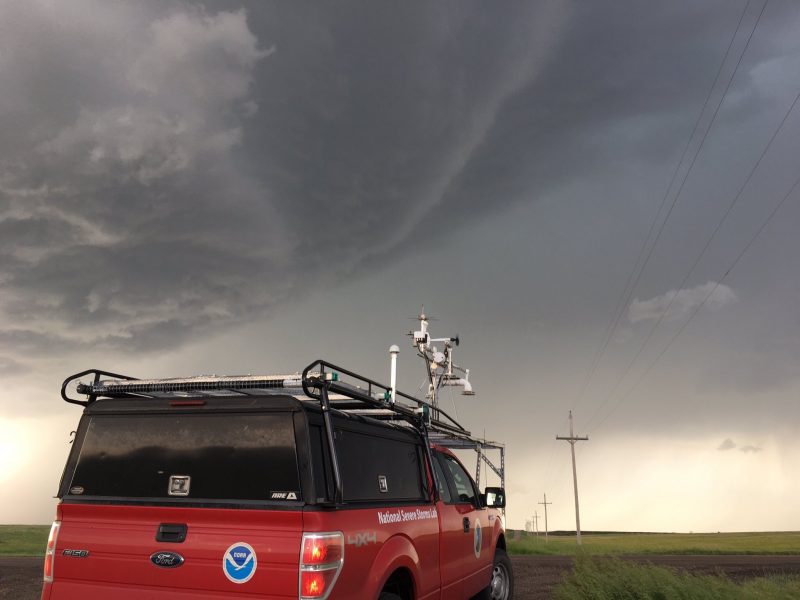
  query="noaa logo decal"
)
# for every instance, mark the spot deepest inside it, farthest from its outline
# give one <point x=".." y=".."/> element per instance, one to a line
<point x="239" y="562"/>
<point x="478" y="539"/>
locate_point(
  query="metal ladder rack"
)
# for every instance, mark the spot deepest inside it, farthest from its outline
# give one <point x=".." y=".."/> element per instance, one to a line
<point x="335" y="388"/>
<point x="373" y="399"/>
<point x="370" y="400"/>
<point x="480" y="446"/>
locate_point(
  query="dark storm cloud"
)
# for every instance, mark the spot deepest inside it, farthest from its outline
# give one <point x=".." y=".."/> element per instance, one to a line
<point x="166" y="168"/>
<point x="123" y="222"/>
<point x="387" y="108"/>
<point x="626" y="87"/>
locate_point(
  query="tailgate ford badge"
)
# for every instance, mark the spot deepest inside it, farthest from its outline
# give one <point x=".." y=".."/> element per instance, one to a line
<point x="168" y="560"/>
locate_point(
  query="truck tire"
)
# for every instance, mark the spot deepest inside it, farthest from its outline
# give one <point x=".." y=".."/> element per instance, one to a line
<point x="501" y="587"/>
<point x="388" y="596"/>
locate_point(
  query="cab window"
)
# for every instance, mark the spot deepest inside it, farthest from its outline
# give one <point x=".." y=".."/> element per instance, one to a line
<point x="441" y="480"/>
<point x="461" y="482"/>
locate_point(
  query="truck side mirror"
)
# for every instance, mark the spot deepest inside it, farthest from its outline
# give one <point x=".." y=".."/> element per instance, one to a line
<point x="495" y="497"/>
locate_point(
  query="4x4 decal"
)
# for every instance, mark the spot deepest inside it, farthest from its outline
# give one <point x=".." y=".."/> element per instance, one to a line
<point x="362" y="538"/>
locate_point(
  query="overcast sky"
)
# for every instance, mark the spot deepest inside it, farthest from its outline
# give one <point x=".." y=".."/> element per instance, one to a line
<point x="228" y="187"/>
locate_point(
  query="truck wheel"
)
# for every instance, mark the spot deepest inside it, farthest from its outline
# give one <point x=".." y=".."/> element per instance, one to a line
<point x="388" y="596"/>
<point x="501" y="586"/>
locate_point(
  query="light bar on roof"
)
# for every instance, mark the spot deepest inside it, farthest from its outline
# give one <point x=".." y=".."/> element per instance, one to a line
<point x="115" y="387"/>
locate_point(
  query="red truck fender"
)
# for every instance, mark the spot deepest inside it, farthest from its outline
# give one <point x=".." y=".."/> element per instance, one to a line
<point x="498" y="537"/>
<point x="398" y="552"/>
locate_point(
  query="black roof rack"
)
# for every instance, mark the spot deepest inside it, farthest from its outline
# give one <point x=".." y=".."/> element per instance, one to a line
<point x="375" y="399"/>
<point x="359" y="395"/>
<point x="334" y="387"/>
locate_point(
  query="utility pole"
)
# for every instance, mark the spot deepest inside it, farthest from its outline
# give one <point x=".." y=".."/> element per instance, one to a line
<point x="545" y="503"/>
<point x="536" y="523"/>
<point x="572" y="439"/>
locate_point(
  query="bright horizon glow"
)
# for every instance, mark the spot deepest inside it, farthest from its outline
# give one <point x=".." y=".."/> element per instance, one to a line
<point x="688" y="486"/>
<point x="12" y="458"/>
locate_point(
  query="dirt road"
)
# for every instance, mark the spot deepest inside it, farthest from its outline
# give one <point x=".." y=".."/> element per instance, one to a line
<point x="20" y="578"/>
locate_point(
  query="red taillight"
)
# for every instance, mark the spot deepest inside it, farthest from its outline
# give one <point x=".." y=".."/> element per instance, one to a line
<point x="322" y="549"/>
<point x="50" y="552"/>
<point x="312" y="584"/>
<point x="321" y="560"/>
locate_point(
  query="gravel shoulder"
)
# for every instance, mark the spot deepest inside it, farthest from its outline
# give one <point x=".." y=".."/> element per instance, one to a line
<point x="21" y="578"/>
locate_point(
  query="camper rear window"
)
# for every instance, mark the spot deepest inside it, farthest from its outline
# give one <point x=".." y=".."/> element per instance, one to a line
<point x="204" y="456"/>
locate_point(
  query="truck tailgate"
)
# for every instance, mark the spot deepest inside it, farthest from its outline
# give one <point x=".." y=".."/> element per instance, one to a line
<point x="121" y="540"/>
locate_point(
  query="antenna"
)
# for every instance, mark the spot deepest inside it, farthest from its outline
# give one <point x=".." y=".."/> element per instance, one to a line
<point x="572" y="439"/>
<point x="440" y="368"/>
<point x="394" y="350"/>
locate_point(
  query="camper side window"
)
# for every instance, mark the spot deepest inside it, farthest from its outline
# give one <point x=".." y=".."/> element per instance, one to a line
<point x="377" y="469"/>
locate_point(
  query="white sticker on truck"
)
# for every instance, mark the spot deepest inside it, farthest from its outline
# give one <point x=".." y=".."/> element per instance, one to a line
<point x="239" y="562"/>
<point x="404" y="516"/>
<point x="283" y="495"/>
<point x="478" y="540"/>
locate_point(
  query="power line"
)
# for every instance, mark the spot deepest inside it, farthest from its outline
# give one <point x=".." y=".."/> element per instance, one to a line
<point x="549" y="473"/>
<point x="624" y="297"/>
<point x="700" y="256"/>
<point x="705" y="300"/>
<point x="628" y="290"/>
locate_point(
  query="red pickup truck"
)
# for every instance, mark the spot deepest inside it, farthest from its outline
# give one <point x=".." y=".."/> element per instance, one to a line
<point x="303" y="487"/>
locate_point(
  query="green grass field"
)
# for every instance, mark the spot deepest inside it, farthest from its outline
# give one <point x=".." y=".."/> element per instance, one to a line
<point x="23" y="540"/>
<point x="660" y="543"/>
<point x="30" y="540"/>
<point x="595" y="578"/>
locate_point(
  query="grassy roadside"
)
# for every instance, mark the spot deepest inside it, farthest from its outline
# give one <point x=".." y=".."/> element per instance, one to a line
<point x="594" y="578"/>
<point x="660" y="543"/>
<point x="23" y="540"/>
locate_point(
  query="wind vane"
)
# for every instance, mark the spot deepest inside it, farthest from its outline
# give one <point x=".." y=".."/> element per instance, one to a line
<point x="441" y="370"/>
